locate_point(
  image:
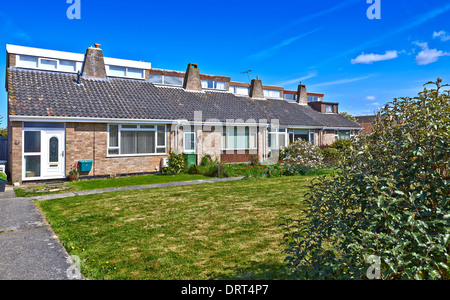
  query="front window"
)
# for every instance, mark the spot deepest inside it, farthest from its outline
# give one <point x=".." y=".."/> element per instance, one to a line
<point x="277" y="138"/>
<point x="342" y="134"/>
<point x="189" y="140"/>
<point x="239" y="138"/>
<point x="304" y="134"/>
<point x="133" y="139"/>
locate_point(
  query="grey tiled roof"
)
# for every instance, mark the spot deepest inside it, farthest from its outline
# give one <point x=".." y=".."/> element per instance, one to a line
<point x="39" y="93"/>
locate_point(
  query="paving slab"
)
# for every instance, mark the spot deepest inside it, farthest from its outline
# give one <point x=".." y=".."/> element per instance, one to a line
<point x="29" y="249"/>
<point x="134" y="187"/>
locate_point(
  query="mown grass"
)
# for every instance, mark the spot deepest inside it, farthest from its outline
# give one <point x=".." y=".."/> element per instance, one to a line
<point x="83" y="185"/>
<point x="224" y="230"/>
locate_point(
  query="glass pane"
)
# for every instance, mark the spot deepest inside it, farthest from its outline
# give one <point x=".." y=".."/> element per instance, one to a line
<point x="241" y="90"/>
<point x="67" y="65"/>
<point x="161" y="150"/>
<point x="145" y="142"/>
<point x="113" y="151"/>
<point x="49" y="64"/>
<point x="189" y="142"/>
<point x="129" y="126"/>
<point x="113" y="135"/>
<point x="117" y="71"/>
<point x="172" y="80"/>
<point x="161" y="136"/>
<point x="53" y="150"/>
<point x="32" y="166"/>
<point x="147" y="126"/>
<point x="42" y="125"/>
<point x="135" y="73"/>
<point x="128" y="144"/>
<point x="155" y="78"/>
<point x="28" y="61"/>
<point x="220" y="85"/>
<point x="32" y="141"/>
<point x="281" y="140"/>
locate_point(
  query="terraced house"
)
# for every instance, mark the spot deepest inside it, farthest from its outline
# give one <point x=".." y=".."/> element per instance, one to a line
<point x="121" y="116"/>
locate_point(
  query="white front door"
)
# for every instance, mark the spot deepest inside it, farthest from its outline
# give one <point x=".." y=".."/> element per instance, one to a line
<point x="53" y="154"/>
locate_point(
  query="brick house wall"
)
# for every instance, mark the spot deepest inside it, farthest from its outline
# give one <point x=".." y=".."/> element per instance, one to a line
<point x="88" y="141"/>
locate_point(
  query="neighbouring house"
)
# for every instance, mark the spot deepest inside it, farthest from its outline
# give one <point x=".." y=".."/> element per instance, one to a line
<point x="366" y="122"/>
<point x="124" y="117"/>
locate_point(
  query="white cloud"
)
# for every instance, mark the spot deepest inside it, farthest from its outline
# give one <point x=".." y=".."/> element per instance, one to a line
<point x="370" y="98"/>
<point x="341" y="81"/>
<point x="427" y="55"/>
<point x="371" y="58"/>
<point x="442" y="35"/>
<point x="296" y="80"/>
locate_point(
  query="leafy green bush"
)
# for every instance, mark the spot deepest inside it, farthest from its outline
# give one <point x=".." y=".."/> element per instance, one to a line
<point x="264" y="171"/>
<point x="176" y="163"/>
<point x="390" y="201"/>
<point x="341" y="144"/>
<point x="209" y="167"/>
<point x="331" y="156"/>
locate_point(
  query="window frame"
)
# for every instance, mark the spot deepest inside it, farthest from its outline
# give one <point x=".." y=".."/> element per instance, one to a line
<point x="277" y="131"/>
<point x="194" y="139"/>
<point x="249" y="131"/>
<point x="137" y="128"/>
<point x="126" y="72"/>
<point x="40" y="65"/>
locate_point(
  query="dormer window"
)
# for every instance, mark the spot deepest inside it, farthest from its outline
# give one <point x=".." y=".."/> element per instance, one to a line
<point x="49" y="64"/>
<point x="212" y="84"/>
<point x="329" y="108"/>
<point x="272" y="94"/>
<point x="239" y="90"/>
<point x="118" y="71"/>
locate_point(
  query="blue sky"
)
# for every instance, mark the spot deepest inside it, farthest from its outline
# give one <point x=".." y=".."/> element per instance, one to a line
<point x="332" y="46"/>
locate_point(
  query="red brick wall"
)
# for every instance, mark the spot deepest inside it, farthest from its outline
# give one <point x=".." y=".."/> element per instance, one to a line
<point x="88" y="141"/>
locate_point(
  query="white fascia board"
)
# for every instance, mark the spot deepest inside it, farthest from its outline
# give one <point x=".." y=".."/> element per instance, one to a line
<point x="21" y="50"/>
<point x="127" y="63"/>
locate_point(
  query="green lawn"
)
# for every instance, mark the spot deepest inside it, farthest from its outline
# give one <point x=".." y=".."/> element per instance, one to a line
<point x="226" y="230"/>
<point x="82" y="185"/>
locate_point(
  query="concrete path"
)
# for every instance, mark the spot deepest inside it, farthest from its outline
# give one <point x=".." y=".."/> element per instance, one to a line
<point x="135" y="187"/>
<point x="29" y="249"/>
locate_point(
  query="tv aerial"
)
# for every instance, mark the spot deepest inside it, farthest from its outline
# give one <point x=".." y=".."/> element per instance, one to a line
<point x="246" y="72"/>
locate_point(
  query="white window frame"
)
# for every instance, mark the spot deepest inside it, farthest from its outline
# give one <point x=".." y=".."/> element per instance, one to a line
<point x="267" y="93"/>
<point x="277" y="131"/>
<point x="126" y="72"/>
<point x="214" y="84"/>
<point x="226" y="136"/>
<point x="190" y="132"/>
<point x="40" y="66"/>
<point x="138" y="128"/>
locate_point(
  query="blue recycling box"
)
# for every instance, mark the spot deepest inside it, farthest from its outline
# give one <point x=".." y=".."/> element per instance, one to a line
<point x="85" y="165"/>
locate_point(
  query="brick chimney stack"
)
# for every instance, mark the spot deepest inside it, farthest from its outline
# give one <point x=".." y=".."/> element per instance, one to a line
<point x="94" y="64"/>
<point x="256" y="88"/>
<point x="302" y="96"/>
<point x="192" y="80"/>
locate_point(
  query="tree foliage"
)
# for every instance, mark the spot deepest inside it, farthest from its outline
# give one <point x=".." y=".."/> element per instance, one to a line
<point x="390" y="200"/>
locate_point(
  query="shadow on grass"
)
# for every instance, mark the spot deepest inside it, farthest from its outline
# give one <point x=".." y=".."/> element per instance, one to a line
<point x="257" y="271"/>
